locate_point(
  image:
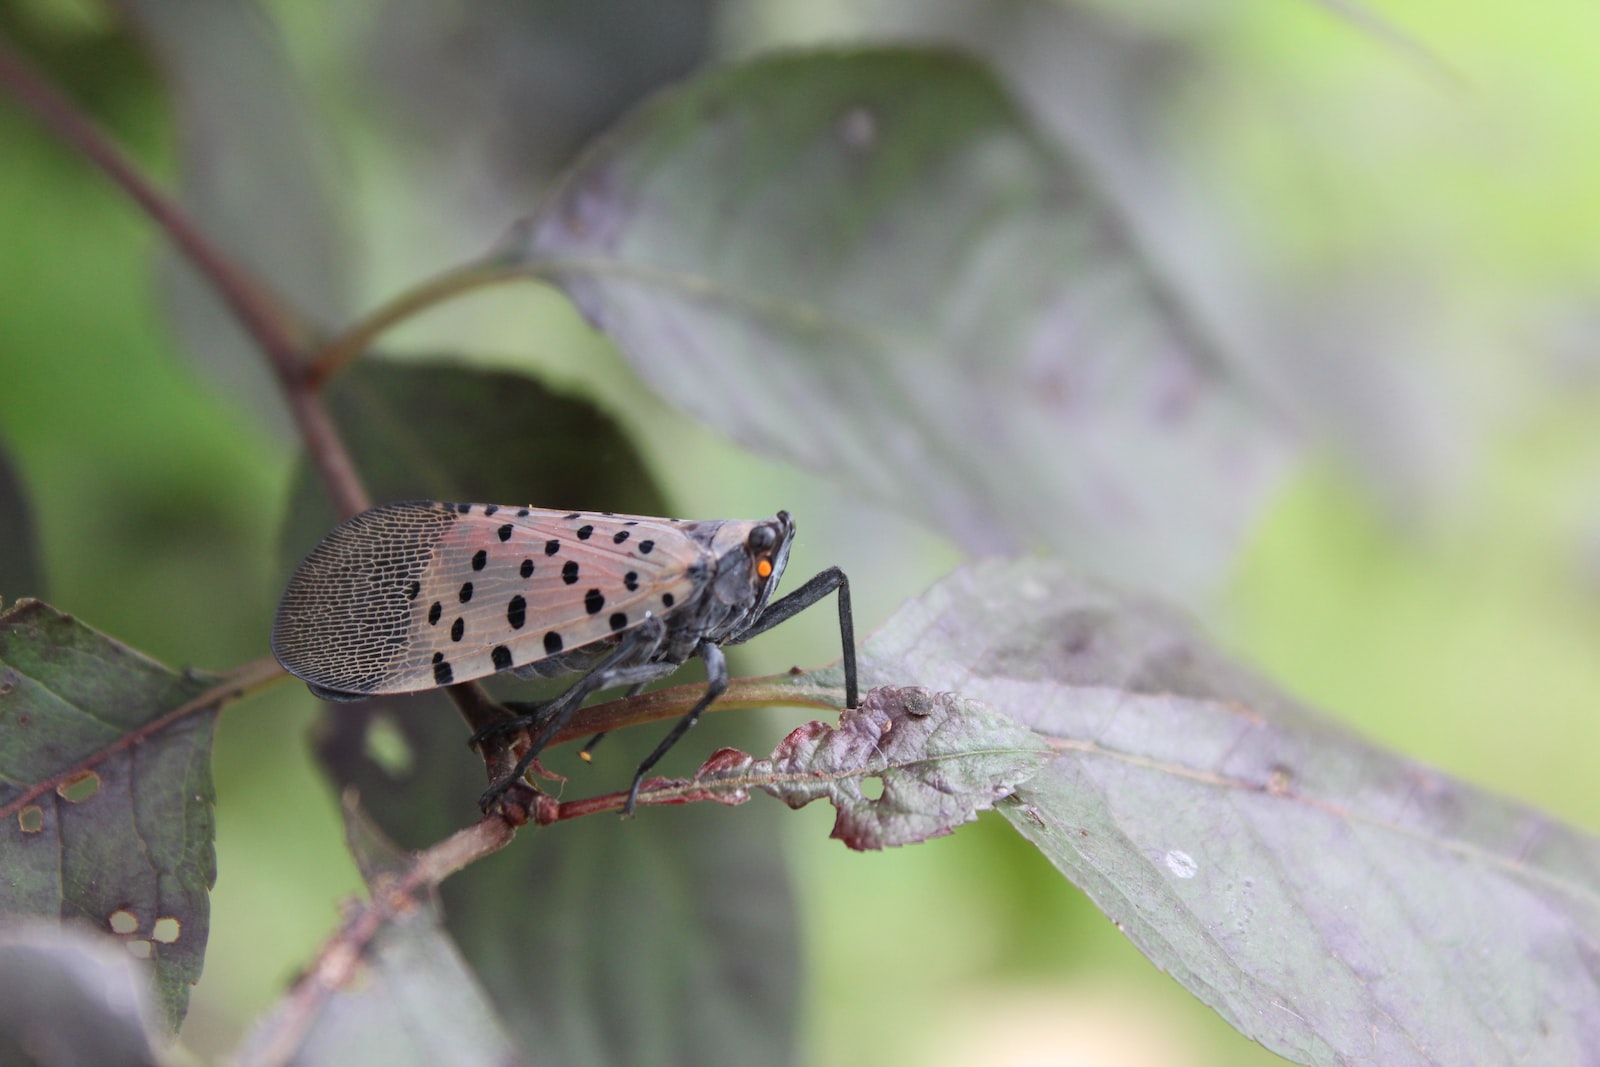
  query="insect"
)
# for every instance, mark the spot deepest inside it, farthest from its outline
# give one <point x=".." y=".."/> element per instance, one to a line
<point x="416" y="595"/>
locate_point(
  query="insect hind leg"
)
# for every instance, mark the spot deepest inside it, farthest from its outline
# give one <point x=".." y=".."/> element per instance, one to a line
<point x="716" y="684"/>
<point x="588" y="749"/>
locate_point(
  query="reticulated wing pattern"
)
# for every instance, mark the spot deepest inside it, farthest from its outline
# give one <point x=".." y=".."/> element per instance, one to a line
<point x="411" y="596"/>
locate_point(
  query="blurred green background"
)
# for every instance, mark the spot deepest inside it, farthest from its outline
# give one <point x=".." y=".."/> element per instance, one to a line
<point x="1431" y="575"/>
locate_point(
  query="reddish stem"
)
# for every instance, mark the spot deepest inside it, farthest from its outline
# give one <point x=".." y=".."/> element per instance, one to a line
<point x="238" y="683"/>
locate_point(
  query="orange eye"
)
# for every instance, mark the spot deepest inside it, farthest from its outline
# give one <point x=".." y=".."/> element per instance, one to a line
<point x="764" y="568"/>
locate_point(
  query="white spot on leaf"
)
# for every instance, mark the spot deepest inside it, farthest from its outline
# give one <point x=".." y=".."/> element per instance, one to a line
<point x="124" y="921"/>
<point x="1181" y="864"/>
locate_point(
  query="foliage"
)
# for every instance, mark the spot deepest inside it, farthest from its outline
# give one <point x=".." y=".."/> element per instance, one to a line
<point x="924" y="278"/>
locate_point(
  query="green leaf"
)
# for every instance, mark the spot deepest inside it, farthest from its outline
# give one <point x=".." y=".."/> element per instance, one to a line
<point x="938" y="759"/>
<point x="868" y="263"/>
<point x="69" y="998"/>
<point x="105" y="792"/>
<point x="674" y="947"/>
<point x="20" y="573"/>
<point x="1333" y="901"/>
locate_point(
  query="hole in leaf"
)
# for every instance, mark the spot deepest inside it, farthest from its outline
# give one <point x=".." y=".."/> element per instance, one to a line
<point x="141" y="949"/>
<point x="385" y="744"/>
<point x="31" y="819"/>
<point x="124" y="921"/>
<point x="79" y="787"/>
<point x="166" y="930"/>
<point x="872" y="788"/>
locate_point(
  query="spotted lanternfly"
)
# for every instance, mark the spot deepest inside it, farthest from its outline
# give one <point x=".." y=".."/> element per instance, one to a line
<point x="422" y="594"/>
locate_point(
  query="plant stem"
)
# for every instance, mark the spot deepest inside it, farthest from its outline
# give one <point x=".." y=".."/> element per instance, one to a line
<point x="337" y="962"/>
<point x="338" y="353"/>
<point x="280" y="334"/>
<point x="742" y="694"/>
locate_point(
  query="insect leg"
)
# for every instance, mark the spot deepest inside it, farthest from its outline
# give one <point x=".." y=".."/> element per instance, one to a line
<point x="716" y="683"/>
<point x="787" y="607"/>
<point x="633" y="691"/>
<point x="628" y="664"/>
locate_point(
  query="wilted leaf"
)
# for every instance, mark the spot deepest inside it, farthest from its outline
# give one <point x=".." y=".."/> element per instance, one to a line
<point x="1333" y="901"/>
<point x="95" y="827"/>
<point x="20" y="574"/>
<point x="677" y="947"/>
<point x="939" y="760"/>
<point x="70" y="999"/>
<point x="411" y="1001"/>
<point x="869" y="264"/>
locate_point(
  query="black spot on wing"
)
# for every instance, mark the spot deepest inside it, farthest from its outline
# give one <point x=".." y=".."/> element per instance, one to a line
<point x="442" y="674"/>
<point x="552" y="643"/>
<point x="527" y="568"/>
<point x="619" y="620"/>
<point x="479" y="558"/>
<point x="517" y="611"/>
<point x="501" y="656"/>
<point x="569" y="573"/>
<point x="551" y="547"/>
<point x="466" y="592"/>
<point x="504" y="532"/>
<point x="593" y="601"/>
<point x="458" y="628"/>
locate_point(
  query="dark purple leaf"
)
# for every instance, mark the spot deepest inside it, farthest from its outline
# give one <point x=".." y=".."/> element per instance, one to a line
<point x="694" y="925"/>
<point x="1331" y="900"/>
<point x="868" y="263"/>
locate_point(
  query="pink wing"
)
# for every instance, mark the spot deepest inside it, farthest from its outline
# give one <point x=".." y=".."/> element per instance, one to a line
<point x="411" y="596"/>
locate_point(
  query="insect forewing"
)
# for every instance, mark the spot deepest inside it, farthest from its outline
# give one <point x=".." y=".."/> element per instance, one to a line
<point x="415" y="595"/>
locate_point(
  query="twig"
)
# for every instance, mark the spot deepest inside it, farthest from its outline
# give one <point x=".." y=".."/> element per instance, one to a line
<point x="279" y="333"/>
<point x="334" y="356"/>
<point x="336" y="963"/>
<point x="742" y="694"/>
